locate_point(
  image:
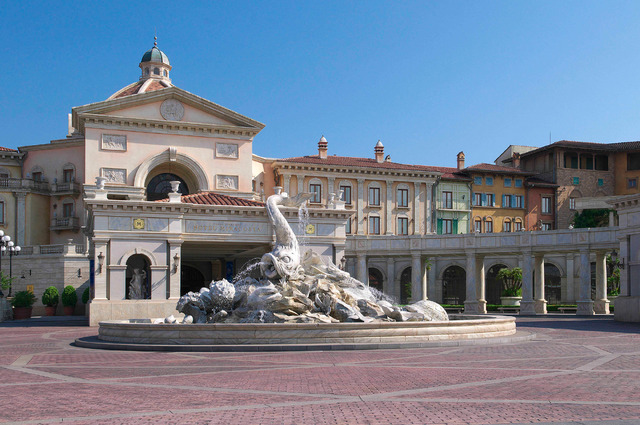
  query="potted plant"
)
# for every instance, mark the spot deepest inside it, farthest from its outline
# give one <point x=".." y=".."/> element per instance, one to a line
<point x="23" y="304"/>
<point x="5" y="283"/>
<point x="50" y="299"/>
<point x="69" y="300"/>
<point x="511" y="286"/>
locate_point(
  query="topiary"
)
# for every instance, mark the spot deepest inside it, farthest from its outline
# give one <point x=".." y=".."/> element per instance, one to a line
<point x="23" y="299"/>
<point x="69" y="296"/>
<point x="85" y="295"/>
<point x="50" y="297"/>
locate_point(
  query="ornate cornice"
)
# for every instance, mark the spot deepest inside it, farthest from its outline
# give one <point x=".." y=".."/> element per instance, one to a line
<point x="321" y="170"/>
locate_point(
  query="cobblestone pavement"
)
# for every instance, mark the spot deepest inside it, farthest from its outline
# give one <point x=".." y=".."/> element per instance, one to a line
<point x="574" y="371"/>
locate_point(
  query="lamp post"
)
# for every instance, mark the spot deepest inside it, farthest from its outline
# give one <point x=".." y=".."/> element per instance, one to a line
<point x="13" y="250"/>
<point x="4" y="240"/>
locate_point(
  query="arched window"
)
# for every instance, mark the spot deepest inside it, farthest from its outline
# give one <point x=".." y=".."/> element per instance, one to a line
<point x="506" y="225"/>
<point x="375" y="279"/>
<point x="488" y="225"/>
<point x="403" y="225"/>
<point x="68" y="173"/>
<point x="68" y="208"/>
<point x="454" y="281"/>
<point x="146" y="71"/>
<point x="37" y="175"/>
<point x="160" y="186"/>
<point x="517" y="225"/>
<point x="477" y="225"/>
<point x="402" y="196"/>
<point x="156" y="71"/>
<point x="165" y="72"/>
<point x="374" y="194"/>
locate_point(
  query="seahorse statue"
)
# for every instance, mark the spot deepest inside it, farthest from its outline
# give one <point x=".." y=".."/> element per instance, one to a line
<point x="284" y="260"/>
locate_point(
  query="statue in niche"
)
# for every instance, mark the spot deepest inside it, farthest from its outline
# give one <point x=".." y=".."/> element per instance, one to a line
<point x="137" y="287"/>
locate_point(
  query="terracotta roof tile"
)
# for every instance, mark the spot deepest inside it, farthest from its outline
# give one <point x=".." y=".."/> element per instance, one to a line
<point x="540" y="182"/>
<point x="3" y="149"/>
<point x="450" y="173"/>
<point x="135" y="88"/>
<point x="349" y="161"/>
<point x="608" y="147"/>
<point x="495" y="169"/>
<point x="212" y="198"/>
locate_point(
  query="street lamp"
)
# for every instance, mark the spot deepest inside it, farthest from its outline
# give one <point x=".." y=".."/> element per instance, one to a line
<point x="4" y="239"/>
<point x="13" y="250"/>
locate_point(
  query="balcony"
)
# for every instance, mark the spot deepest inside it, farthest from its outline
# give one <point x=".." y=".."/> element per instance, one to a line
<point x="11" y="183"/>
<point x="65" y="223"/>
<point x="66" y="188"/>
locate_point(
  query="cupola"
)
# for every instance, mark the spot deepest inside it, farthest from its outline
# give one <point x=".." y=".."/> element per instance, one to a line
<point x="155" y="64"/>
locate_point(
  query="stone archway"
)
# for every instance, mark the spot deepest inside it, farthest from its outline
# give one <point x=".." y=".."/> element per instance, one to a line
<point x="454" y="285"/>
<point x="552" y="284"/>
<point x="160" y="186"/>
<point x="138" y="278"/>
<point x="493" y="286"/>
<point x="170" y="161"/>
<point x="405" y="286"/>
<point x="376" y="280"/>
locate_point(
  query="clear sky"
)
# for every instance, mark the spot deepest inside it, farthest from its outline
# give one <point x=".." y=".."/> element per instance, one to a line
<point x="428" y="78"/>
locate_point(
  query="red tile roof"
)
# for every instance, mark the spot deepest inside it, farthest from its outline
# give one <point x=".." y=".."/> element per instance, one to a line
<point x="535" y="181"/>
<point x="212" y="198"/>
<point x="450" y="173"/>
<point x="347" y="161"/>
<point x="3" y="149"/>
<point x="608" y="147"/>
<point x="135" y="88"/>
<point x="492" y="168"/>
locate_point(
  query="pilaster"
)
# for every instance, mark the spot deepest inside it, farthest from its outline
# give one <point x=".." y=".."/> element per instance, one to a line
<point x="471" y="302"/>
<point x="21" y="217"/>
<point x="540" y="302"/>
<point x="585" y="304"/>
<point x="389" y="208"/>
<point x="390" y="287"/>
<point x="527" y="305"/>
<point x="360" y="217"/>
<point x="601" y="304"/>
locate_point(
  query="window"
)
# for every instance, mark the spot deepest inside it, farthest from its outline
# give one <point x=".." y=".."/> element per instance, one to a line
<point x="346" y="194"/>
<point x="518" y="201"/>
<point x="491" y="200"/>
<point x="518" y="182"/>
<point x="156" y="71"/>
<point x="374" y="196"/>
<point x="477" y="180"/>
<point x="37" y="176"/>
<point x="146" y="71"/>
<point x="545" y="226"/>
<point x="488" y="226"/>
<point x="546" y="205"/>
<point x="517" y="225"/>
<point x="477" y="199"/>
<point x="506" y="201"/>
<point x="403" y="226"/>
<point x="507" y="182"/>
<point x="316" y="191"/>
<point x="602" y="162"/>
<point x="576" y="180"/>
<point x="488" y="181"/>
<point x="600" y="182"/>
<point x="1" y="211"/>
<point x="633" y="161"/>
<point x="506" y="227"/>
<point x="570" y="160"/>
<point x="67" y="210"/>
<point x="403" y="197"/>
<point x="374" y="225"/>
<point x="165" y="72"/>
<point x="632" y="183"/>
<point x="447" y="200"/>
<point x="347" y="227"/>
<point x="477" y="225"/>
<point x="447" y="226"/>
<point x="67" y="175"/>
<point x="572" y="203"/>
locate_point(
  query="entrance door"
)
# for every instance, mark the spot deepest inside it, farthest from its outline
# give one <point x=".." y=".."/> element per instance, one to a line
<point x="191" y="280"/>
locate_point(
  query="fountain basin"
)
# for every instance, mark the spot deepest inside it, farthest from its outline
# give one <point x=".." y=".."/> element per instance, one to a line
<point x="279" y="336"/>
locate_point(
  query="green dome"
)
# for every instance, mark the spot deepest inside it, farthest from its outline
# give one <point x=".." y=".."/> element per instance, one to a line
<point x="155" y="55"/>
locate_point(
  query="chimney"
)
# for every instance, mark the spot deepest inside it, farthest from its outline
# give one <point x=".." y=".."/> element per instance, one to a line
<point x="516" y="160"/>
<point x="322" y="148"/>
<point x="460" y="160"/>
<point x="379" y="151"/>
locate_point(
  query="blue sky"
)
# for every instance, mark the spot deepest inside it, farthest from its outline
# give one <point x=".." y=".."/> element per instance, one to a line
<point x="427" y="78"/>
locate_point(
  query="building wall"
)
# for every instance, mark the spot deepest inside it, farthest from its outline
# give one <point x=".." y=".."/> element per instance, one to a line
<point x="460" y="212"/>
<point x="498" y="213"/>
<point x="622" y="174"/>
<point x="38" y="220"/>
<point x="534" y="208"/>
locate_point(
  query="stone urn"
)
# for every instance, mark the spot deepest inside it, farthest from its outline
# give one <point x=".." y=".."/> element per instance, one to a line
<point x="175" y="184"/>
<point x="100" y="181"/>
<point x="510" y="301"/>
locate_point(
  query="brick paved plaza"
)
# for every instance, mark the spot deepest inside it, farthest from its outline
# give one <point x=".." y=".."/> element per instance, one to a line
<point x="574" y="371"/>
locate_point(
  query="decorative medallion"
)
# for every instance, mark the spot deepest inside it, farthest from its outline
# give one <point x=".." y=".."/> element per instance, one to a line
<point x="310" y="229"/>
<point x="138" y="223"/>
<point x="172" y="110"/>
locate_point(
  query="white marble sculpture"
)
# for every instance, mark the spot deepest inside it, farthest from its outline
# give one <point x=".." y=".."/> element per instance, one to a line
<point x="136" y="285"/>
<point x="294" y="288"/>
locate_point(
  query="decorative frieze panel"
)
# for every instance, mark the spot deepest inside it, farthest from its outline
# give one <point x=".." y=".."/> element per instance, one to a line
<point x="226" y="182"/>
<point x="225" y="227"/>
<point x="114" y="175"/>
<point x="114" y="142"/>
<point x="227" y="150"/>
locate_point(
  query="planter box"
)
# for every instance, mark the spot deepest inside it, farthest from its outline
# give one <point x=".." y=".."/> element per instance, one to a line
<point x="20" y="313"/>
<point x="512" y="301"/>
<point x="50" y="310"/>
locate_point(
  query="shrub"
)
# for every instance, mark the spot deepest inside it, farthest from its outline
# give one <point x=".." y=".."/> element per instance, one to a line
<point x="69" y="296"/>
<point x="50" y="297"/>
<point x="5" y="281"/>
<point x="23" y="299"/>
<point x="511" y="281"/>
<point x="85" y="296"/>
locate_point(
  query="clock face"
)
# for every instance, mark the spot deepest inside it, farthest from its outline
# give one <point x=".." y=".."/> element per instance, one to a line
<point x="310" y="229"/>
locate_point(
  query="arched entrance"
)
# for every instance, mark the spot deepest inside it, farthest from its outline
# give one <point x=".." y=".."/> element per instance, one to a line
<point x="375" y="279"/>
<point x="454" y="285"/>
<point x="160" y="185"/>
<point x="191" y="279"/>
<point x="138" y="278"/>
<point x="552" y="284"/>
<point x="493" y="285"/>
<point x="405" y="286"/>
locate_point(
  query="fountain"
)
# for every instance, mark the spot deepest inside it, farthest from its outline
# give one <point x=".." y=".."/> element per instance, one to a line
<point x="288" y="300"/>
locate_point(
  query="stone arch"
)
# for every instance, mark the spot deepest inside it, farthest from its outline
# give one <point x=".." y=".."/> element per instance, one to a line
<point x="376" y="278"/>
<point x="454" y="285"/>
<point x="138" y="277"/>
<point x="176" y="162"/>
<point x="405" y="285"/>
<point x="125" y="257"/>
<point x="493" y="286"/>
<point x="552" y="283"/>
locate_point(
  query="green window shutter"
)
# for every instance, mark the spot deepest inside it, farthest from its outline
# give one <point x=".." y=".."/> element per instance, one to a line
<point x="454" y="227"/>
<point x="439" y="229"/>
<point x="504" y="200"/>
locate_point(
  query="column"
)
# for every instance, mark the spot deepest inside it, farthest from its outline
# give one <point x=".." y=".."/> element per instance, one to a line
<point x="424" y="282"/>
<point x="571" y="291"/>
<point x="480" y="282"/>
<point x="416" y="208"/>
<point x="360" y="216"/>
<point x="287" y="183"/>
<point x="21" y="218"/>
<point x="540" y="302"/>
<point x="601" y="304"/>
<point x="330" y="188"/>
<point x="432" y="285"/>
<point x="427" y="215"/>
<point x="527" y="305"/>
<point x="300" y="184"/>
<point x="416" y="278"/>
<point x="175" y="263"/>
<point x="612" y="219"/>
<point x="389" y="208"/>
<point x="585" y="305"/>
<point x="471" y="303"/>
<point x="625" y="287"/>
<point x="362" y="272"/>
<point x="390" y="283"/>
